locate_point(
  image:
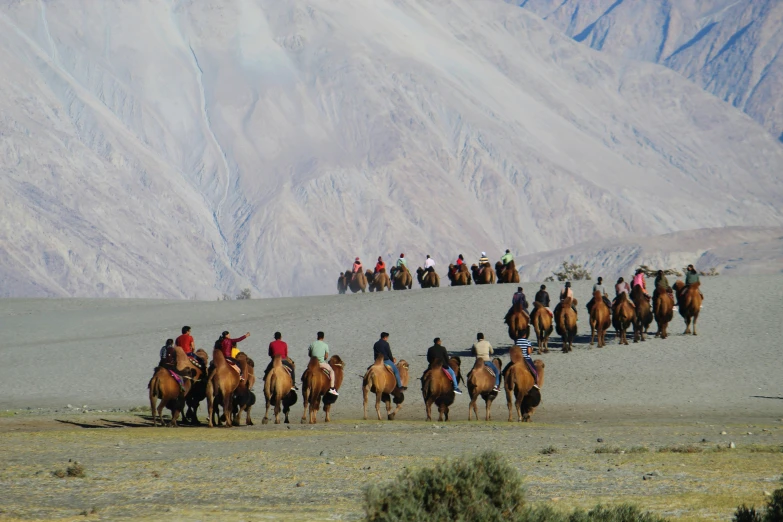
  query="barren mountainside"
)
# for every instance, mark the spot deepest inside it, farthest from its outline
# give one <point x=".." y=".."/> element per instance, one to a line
<point x="186" y="149"/>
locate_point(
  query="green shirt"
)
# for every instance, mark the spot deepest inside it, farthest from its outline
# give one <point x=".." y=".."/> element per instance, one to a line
<point x="402" y="261"/>
<point x="691" y="277"/>
<point x="506" y="259"/>
<point x="318" y="349"/>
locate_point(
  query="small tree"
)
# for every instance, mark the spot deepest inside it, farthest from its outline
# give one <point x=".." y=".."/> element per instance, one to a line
<point x="573" y="272"/>
<point x="226" y="297"/>
<point x="244" y="294"/>
<point x="711" y="272"/>
<point x="650" y="272"/>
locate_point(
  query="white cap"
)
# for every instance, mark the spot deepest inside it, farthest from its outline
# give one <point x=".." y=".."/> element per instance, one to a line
<point x="483" y="253"/>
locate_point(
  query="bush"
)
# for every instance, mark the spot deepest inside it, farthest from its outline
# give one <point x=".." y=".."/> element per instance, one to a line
<point x="244" y="294"/>
<point x="772" y="513"/>
<point x="75" y="470"/>
<point x="549" y="450"/>
<point x="573" y="272"/>
<point x="622" y="513"/>
<point x="652" y="272"/>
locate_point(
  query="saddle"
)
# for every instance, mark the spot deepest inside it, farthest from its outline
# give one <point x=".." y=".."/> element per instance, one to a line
<point x="387" y="367"/>
<point x="490" y="370"/>
<point x="178" y="378"/>
<point x="448" y="375"/>
<point x="234" y="367"/>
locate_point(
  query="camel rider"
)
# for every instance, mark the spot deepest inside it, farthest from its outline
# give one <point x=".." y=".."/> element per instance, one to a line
<point x="567" y="292"/>
<point x="599" y="286"/>
<point x="437" y="352"/>
<point x="279" y="347"/>
<point x="638" y="279"/>
<point x="458" y="264"/>
<point x="482" y="350"/>
<point x="227" y="344"/>
<point x="380" y="265"/>
<point x="357" y="266"/>
<point x="622" y="288"/>
<point x="519" y="298"/>
<point x="168" y="357"/>
<point x="691" y="277"/>
<point x="542" y="296"/>
<point x="320" y="350"/>
<point x="381" y="347"/>
<point x="662" y="282"/>
<point x="429" y="264"/>
<point x="483" y="260"/>
<point x="524" y="345"/>
<point x="188" y="345"/>
<point x="507" y="258"/>
<point x="401" y="261"/>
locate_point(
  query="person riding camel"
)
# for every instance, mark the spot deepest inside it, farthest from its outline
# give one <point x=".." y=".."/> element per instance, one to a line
<point x="380" y="265"/>
<point x="507" y="258"/>
<point x="381" y="347"/>
<point x="429" y="264"/>
<point x="279" y="347"/>
<point x="567" y="292"/>
<point x="483" y="263"/>
<point x="482" y="350"/>
<point x="599" y="286"/>
<point x="188" y="345"/>
<point x="662" y="281"/>
<point x="320" y="350"/>
<point x="542" y="296"/>
<point x="437" y="352"/>
<point x="357" y="266"/>
<point x="622" y="287"/>
<point x="460" y="261"/>
<point x="691" y="277"/>
<point x="519" y="298"/>
<point x="525" y="346"/>
<point x="227" y="344"/>
<point x="168" y="357"/>
<point x="638" y="279"/>
<point x="401" y="261"/>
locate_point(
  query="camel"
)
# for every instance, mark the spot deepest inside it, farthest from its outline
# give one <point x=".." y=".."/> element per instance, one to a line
<point x="277" y="388"/>
<point x="356" y="282"/>
<point x="600" y="319"/>
<point x="380" y="381"/>
<point x="542" y="324"/>
<point x="507" y="273"/>
<point x="244" y="398"/>
<point x="623" y="315"/>
<point x="565" y="322"/>
<point x="437" y="388"/>
<point x="223" y="382"/>
<point x="459" y="277"/>
<point x="165" y="387"/>
<point x="427" y="279"/>
<point x="481" y="383"/>
<point x="199" y="390"/>
<point x="689" y="302"/>
<point x="643" y="316"/>
<point x="663" y="311"/>
<point x="517" y="319"/>
<point x="483" y="275"/>
<point x="402" y="278"/>
<point x="315" y="387"/>
<point x="342" y="283"/>
<point x="519" y="386"/>
<point x="378" y="282"/>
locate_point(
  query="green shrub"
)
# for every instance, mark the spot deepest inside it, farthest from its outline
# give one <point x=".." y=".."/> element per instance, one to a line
<point x="622" y="513"/>
<point x="746" y="514"/>
<point x="772" y="513"/>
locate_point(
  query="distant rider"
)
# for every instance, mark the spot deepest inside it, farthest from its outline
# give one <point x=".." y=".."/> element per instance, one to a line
<point x="226" y="344"/>
<point x="380" y="265"/>
<point x="280" y="347"/>
<point x="320" y="350"/>
<point x="357" y="266"/>
<point x="507" y="258"/>
<point x="381" y="347"/>
<point x="482" y="350"/>
<point x="437" y="352"/>
<point x="638" y="280"/>
<point x="429" y="264"/>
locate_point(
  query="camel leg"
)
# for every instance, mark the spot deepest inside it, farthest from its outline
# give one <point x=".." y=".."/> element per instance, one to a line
<point x="152" y="409"/>
<point x="314" y="407"/>
<point x="473" y="407"/>
<point x="305" y="403"/>
<point x="488" y="405"/>
<point x="695" y="317"/>
<point x="518" y="407"/>
<point x="174" y="417"/>
<point x="227" y="408"/>
<point x="365" y="392"/>
<point x="160" y="411"/>
<point x="378" y="404"/>
<point x="396" y="410"/>
<point x="687" y="326"/>
<point x="388" y="404"/>
<point x="210" y="409"/>
<point x="277" y="410"/>
<point x="428" y="407"/>
<point x="327" y="408"/>
<point x="248" y="420"/>
<point x="509" y="404"/>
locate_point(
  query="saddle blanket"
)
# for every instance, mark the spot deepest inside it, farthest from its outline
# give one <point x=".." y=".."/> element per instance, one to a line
<point x="448" y="374"/>
<point x="234" y="367"/>
<point x="178" y="378"/>
<point x="491" y="372"/>
<point x="326" y="372"/>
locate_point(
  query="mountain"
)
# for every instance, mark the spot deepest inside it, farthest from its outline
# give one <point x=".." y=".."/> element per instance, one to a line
<point x="734" y="49"/>
<point x="187" y="149"/>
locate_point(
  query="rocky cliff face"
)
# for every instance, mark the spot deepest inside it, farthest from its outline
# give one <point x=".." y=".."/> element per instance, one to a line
<point x="731" y="48"/>
<point x="193" y="148"/>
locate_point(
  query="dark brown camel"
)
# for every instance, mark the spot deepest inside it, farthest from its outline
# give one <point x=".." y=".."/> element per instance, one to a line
<point x="244" y="398"/>
<point x="623" y="316"/>
<point x="223" y="381"/>
<point x="380" y="381"/>
<point x="378" y="282"/>
<point x="481" y="383"/>
<point x="507" y="273"/>
<point x="427" y="279"/>
<point x="517" y="319"/>
<point x="402" y="279"/>
<point x="315" y="387"/>
<point x="689" y="302"/>
<point x="600" y="319"/>
<point x="643" y="316"/>
<point x="565" y="322"/>
<point x="459" y="277"/>
<point x="437" y="388"/>
<point x="542" y="324"/>
<point x="278" y="384"/>
<point x="342" y="283"/>
<point x="663" y="311"/>
<point x="483" y="275"/>
<point x="165" y="387"/>
<point x="519" y="388"/>
<point x="199" y="390"/>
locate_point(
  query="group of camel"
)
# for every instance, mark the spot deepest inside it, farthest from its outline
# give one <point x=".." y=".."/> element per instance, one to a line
<point x="402" y="279"/>
<point x="626" y="312"/>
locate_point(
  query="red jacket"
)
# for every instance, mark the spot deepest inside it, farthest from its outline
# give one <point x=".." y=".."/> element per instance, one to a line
<point x="278" y="347"/>
<point x="227" y="344"/>
<point x="379" y="267"/>
<point x="186" y="342"/>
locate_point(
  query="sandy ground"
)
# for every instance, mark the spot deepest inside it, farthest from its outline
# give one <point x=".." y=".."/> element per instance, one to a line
<point x="683" y="391"/>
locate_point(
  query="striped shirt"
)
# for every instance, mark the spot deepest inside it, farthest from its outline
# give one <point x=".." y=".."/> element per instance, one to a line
<point x="525" y="345"/>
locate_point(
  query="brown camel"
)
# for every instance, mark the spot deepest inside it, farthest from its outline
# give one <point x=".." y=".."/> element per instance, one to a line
<point x="481" y="383"/>
<point x="223" y="382"/>
<point x="378" y="282"/>
<point x="437" y="388"/>
<point x="244" y="398"/>
<point x="277" y="386"/>
<point x="643" y="316"/>
<point x="663" y="310"/>
<point x="402" y="279"/>
<point x="507" y="273"/>
<point x="315" y="387"/>
<point x="342" y="283"/>
<point x="689" y="302"/>
<point x="356" y="282"/>
<point x="165" y="387"/>
<point x="199" y="390"/>
<point x="459" y="277"/>
<point x="623" y="316"/>
<point x="517" y="319"/>
<point x="519" y="383"/>
<point x="380" y="381"/>
<point x="483" y="275"/>
<point x="542" y="324"/>
<point x="600" y="319"/>
<point x="427" y="279"/>
<point x="565" y="322"/>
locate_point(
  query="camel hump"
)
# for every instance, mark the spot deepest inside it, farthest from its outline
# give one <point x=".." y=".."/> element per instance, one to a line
<point x="335" y="360"/>
<point x="567" y="302"/>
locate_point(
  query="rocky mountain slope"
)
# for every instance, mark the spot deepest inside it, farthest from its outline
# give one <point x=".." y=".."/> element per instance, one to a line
<point x="732" y="48"/>
<point x="186" y="149"/>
